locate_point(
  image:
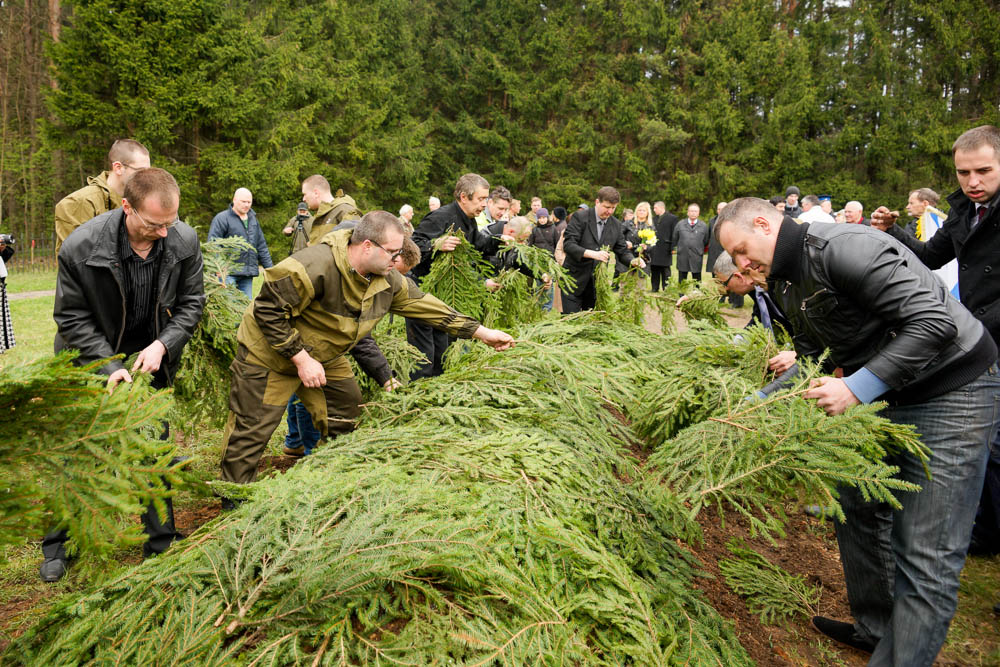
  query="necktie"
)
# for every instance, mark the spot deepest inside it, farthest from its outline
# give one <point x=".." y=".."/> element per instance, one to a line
<point x="765" y="316"/>
<point x="600" y="230"/>
<point x="980" y="214"/>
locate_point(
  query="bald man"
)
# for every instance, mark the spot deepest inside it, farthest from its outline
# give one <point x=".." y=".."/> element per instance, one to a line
<point x="240" y="220"/>
<point x="854" y="214"/>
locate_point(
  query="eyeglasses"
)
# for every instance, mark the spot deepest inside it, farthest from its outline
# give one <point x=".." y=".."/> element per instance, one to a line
<point x="726" y="284"/>
<point x="155" y="228"/>
<point x="130" y="166"/>
<point x="392" y="255"/>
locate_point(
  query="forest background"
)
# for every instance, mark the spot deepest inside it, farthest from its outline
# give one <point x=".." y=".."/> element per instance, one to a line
<point x="391" y="100"/>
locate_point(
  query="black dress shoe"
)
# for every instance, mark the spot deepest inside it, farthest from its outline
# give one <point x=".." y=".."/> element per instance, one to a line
<point x="843" y="633"/>
<point x="52" y="569"/>
<point x="229" y="505"/>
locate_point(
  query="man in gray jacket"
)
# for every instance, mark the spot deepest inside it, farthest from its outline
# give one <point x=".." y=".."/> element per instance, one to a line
<point x="129" y="281"/>
<point x="899" y="337"/>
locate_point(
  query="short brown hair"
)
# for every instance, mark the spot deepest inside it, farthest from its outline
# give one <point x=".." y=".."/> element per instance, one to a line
<point x="500" y="192"/>
<point x="928" y="195"/>
<point x="984" y="135"/>
<point x="742" y="211"/>
<point x="468" y="184"/>
<point x="152" y="181"/>
<point x="410" y="253"/>
<point x="374" y="225"/>
<point x="125" y="150"/>
<point x="608" y="194"/>
<point x="317" y="182"/>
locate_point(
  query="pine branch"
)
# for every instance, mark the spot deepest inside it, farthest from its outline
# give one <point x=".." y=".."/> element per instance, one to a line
<point x="771" y="592"/>
<point x="75" y="457"/>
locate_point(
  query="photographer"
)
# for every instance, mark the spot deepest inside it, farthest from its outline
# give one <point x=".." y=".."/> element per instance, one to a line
<point x="6" y="326"/>
<point x="298" y="227"/>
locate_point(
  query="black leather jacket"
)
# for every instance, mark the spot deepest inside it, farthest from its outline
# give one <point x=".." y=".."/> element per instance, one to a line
<point x="90" y="293"/>
<point x="872" y="303"/>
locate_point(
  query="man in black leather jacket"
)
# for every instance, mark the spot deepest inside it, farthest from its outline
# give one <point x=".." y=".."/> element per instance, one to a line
<point x="129" y="281"/>
<point x="900" y="337"/>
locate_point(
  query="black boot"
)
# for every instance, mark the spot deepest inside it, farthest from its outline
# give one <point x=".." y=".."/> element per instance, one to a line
<point x="843" y="633"/>
<point x="54" y="551"/>
<point x="161" y="533"/>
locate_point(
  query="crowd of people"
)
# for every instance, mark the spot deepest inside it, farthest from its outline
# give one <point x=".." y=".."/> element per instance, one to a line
<point x="130" y="281"/>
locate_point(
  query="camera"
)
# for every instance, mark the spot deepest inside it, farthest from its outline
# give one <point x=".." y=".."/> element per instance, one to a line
<point x="301" y="217"/>
<point x="7" y="239"/>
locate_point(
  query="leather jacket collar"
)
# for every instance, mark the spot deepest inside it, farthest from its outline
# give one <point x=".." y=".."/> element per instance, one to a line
<point x="787" y="261"/>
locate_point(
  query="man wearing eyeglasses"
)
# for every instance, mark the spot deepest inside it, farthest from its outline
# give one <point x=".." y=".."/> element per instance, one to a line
<point x="129" y="282"/>
<point x="103" y="192"/>
<point x="312" y="309"/>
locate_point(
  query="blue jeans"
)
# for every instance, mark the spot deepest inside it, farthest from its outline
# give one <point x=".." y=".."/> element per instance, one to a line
<point x="546" y="296"/>
<point x="901" y="567"/>
<point x="301" y="431"/>
<point x="242" y="283"/>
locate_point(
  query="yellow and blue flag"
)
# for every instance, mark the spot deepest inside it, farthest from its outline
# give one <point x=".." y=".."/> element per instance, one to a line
<point x="927" y="225"/>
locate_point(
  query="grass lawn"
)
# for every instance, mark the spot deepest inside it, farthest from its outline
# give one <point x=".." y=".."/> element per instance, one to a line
<point x="30" y="281"/>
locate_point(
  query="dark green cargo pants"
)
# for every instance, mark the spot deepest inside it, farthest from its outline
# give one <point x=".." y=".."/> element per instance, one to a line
<point x="257" y="400"/>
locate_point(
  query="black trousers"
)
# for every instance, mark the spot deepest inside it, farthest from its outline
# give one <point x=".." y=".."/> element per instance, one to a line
<point x="585" y="299"/>
<point x="431" y="342"/>
<point x="160" y="533"/>
<point x="660" y="275"/>
<point x="682" y="276"/>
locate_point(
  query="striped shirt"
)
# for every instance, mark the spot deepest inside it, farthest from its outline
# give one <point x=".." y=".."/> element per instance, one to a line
<point x="140" y="278"/>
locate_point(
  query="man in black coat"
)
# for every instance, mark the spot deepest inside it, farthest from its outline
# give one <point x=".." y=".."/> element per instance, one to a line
<point x="129" y="281"/>
<point x="970" y="235"/>
<point x="661" y="254"/>
<point x="587" y="232"/>
<point x="431" y="235"/>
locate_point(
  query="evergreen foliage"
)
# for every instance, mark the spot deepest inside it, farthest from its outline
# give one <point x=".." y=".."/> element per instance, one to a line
<point x="538" y="262"/>
<point x="752" y="452"/>
<point x="458" y="278"/>
<point x="202" y="383"/>
<point x="492" y="514"/>
<point x="75" y="457"/>
<point x="393" y="99"/>
<point x="771" y="592"/>
<point x="516" y="301"/>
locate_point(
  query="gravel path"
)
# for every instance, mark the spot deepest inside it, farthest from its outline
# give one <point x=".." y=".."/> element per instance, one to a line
<point x="31" y="295"/>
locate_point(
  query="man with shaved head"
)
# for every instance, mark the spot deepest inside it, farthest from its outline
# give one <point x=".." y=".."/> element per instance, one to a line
<point x="240" y="220"/>
<point x="103" y="192"/>
<point x="900" y="337"/>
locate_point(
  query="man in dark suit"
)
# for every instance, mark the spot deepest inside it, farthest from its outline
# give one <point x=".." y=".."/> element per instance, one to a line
<point x="587" y="232"/>
<point x="661" y="254"/>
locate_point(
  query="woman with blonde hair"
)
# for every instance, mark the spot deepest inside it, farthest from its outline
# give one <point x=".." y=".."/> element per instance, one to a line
<point x="643" y="216"/>
<point x="643" y="220"/>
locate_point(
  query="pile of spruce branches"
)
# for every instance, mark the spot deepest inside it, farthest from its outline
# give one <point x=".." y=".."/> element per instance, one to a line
<point x="496" y="514"/>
